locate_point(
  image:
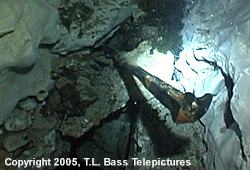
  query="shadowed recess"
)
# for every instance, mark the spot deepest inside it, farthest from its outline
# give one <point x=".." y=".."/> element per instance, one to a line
<point x="165" y="142"/>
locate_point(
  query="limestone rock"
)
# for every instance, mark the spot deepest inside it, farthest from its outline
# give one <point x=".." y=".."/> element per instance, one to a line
<point x="19" y="120"/>
<point x="41" y="95"/>
<point x="15" y="141"/>
<point x="241" y="111"/>
<point x="88" y="21"/>
<point x="27" y="104"/>
<point x="15" y="86"/>
<point x="86" y="93"/>
<point x="24" y="32"/>
<point x="75" y="126"/>
<point x="155" y="130"/>
<point x="221" y="33"/>
<point x="45" y="145"/>
<point x="44" y="123"/>
<point x="23" y="26"/>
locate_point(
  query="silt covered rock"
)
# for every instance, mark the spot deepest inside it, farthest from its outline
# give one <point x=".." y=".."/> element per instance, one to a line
<point x="24" y="25"/>
<point x="18" y="121"/>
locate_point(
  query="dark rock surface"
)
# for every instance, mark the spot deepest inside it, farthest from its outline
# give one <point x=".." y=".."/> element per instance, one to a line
<point x="110" y="140"/>
<point x="87" y="90"/>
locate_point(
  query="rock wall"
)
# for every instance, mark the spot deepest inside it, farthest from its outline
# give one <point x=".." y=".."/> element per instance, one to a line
<point x="215" y="59"/>
<point x="84" y="24"/>
<point x="219" y="32"/>
<point x="24" y="70"/>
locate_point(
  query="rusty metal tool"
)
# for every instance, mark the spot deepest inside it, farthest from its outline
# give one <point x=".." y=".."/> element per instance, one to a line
<point x="184" y="107"/>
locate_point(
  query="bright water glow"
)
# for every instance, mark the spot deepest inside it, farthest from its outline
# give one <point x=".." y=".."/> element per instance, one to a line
<point x="198" y="76"/>
<point x="193" y="76"/>
<point x="158" y="64"/>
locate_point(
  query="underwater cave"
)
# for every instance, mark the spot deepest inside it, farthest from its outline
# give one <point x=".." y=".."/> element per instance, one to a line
<point x="124" y="84"/>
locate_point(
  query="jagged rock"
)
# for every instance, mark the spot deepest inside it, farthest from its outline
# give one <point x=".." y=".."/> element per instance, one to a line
<point x="27" y="104"/>
<point x="42" y="122"/>
<point x="224" y="39"/>
<point x="16" y="86"/>
<point x="62" y="82"/>
<point x="41" y="95"/>
<point x="75" y="126"/>
<point x="19" y="120"/>
<point x="103" y="60"/>
<point x="87" y="22"/>
<point x="149" y="31"/>
<point x="85" y="93"/>
<point x="47" y="144"/>
<point x="156" y="135"/>
<point x="44" y="145"/>
<point x="46" y="141"/>
<point x="131" y="34"/>
<point x="23" y="33"/>
<point x="24" y="70"/>
<point x="15" y="141"/>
